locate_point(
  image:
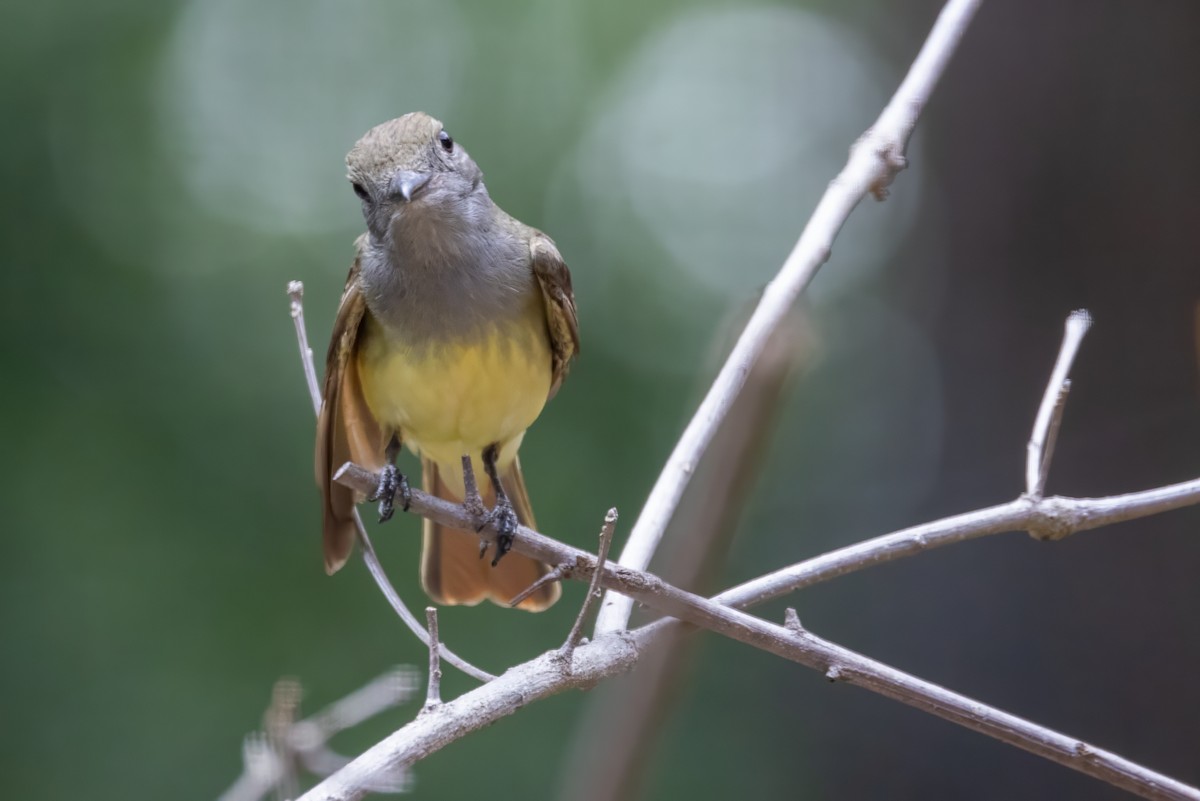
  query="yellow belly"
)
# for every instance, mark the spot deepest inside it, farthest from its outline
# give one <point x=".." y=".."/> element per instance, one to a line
<point x="449" y="400"/>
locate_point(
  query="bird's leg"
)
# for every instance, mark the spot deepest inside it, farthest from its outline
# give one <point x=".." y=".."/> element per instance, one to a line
<point x="472" y="502"/>
<point x="503" y="517"/>
<point x="391" y="483"/>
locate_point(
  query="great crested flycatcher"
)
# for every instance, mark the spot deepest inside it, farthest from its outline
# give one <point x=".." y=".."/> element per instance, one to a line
<point x="456" y="326"/>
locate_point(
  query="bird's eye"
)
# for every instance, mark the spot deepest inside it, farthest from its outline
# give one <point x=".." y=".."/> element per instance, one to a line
<point x="360" y="190"/>
<point x="447" y="142"/>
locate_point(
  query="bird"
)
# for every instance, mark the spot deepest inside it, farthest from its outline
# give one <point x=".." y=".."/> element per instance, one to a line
<point x="456" y="325"/>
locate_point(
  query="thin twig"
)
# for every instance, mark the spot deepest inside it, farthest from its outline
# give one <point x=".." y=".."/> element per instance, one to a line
<point x="606" y="535"/>
<point x="559" y="573"/>
<point x="374" y="567"/>
<point x="1060" y="405"/>
<point x="295" y="290"/>
<point x="1049" y="416"/>
<point x="874" y="160"/>
<point x="433" y="694"/>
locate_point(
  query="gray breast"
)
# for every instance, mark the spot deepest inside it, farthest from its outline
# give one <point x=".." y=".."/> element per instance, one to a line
<point x="443" y="281"/>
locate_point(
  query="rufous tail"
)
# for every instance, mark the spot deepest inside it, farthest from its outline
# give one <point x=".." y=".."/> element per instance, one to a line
<point x="451" y="570"/>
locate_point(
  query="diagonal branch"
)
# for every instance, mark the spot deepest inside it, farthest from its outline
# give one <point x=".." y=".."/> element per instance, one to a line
<point x="874" y="161"/>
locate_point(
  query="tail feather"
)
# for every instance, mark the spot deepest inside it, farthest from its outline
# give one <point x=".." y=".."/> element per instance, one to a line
<point x="452" y="571"/>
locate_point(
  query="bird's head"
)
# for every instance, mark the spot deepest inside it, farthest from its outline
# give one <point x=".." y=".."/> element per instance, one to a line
<point x="410" y="170"/>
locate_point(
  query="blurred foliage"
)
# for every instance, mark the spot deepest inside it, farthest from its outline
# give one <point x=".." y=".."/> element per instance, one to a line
<point x="168" y="167"/>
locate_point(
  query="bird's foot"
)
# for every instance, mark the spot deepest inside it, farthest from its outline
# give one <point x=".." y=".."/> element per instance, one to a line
<point x="504" y="518"/>
<point x="392" y="484"/>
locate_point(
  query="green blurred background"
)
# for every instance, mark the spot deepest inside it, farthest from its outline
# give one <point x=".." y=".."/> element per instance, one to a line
<point x="168" y="166"/>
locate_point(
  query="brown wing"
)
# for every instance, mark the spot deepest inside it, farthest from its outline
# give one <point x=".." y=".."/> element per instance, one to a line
<point x="555" y="281"/>
<point x="346" y="429"/>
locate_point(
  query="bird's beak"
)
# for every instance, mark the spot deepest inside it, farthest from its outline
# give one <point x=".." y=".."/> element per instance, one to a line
<point x="407" y="183"/>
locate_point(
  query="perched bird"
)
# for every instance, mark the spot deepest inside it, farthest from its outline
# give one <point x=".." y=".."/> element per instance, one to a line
<point x="456" y="326"/>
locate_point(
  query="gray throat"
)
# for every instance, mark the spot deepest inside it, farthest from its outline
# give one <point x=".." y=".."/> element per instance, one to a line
<point x="444" y="276"/>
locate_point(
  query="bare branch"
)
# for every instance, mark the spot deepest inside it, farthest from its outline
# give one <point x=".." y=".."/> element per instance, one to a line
<point x="270" y="757"/>
<point x="517" y="687"/>
<point x="1048" y="518"/>
<point x="606" y="534"/>
<point x="433" y="695"/>
<point x="613" y="653"/>
<point x="874" y="160"/>
<point x="1045" y="428"/>
<point x="374" y="567"/>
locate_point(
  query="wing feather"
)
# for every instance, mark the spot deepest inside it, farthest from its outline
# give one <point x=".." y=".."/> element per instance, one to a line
<point x="346" y="429"/>
<point x="562" y="321"/>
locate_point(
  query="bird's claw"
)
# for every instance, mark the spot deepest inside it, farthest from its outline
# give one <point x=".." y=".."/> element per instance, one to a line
<point x="504" y="518"/>
<point x="392" y="483"/>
